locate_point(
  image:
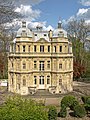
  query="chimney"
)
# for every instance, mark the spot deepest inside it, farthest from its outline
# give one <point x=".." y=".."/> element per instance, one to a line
<point x="23" y="24"/>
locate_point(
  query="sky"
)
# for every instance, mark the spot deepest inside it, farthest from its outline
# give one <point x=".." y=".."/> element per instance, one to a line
<point x="48" y="12"/>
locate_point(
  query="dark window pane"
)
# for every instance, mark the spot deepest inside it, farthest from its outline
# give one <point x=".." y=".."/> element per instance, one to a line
<point x="35" y="48"/>
<point x="60" y="48"/>
<point x="48" y="48"/>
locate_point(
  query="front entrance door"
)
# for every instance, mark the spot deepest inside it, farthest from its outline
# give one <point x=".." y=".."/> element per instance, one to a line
<point x="41" y="82"/>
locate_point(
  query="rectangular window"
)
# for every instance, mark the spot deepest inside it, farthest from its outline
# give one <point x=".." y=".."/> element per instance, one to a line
<point x="35" y="80"/>
<point x="60" y="49"/>
<point x="19" y="86"/>
<point x="41" y="48"/>
<point x="35" y="48"/>
<point x="60" y="81"/>
<point x="60" y="66"/>
<point x="12" y="64"/>
<point x="18" y="48"/>
<point x="24" y="48"/>
<point x="35" y="64"/>
<point x="48" y="48"/>
<point x="24" y="65"/>
<point x="29" y="48"/>
<point x="41" y="65"/>
<point x="24" y="82"/>
<point x="48" y="79"/>
<point x="54" y="48"/>
<point x="48" y="64"/>
<point x="41" y="79"/>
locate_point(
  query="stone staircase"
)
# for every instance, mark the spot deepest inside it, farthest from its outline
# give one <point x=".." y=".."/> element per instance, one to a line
<point x="44" y="94"/>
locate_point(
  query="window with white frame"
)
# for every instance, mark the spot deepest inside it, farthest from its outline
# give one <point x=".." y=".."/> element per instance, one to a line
<point x="24" y="48"/>
<point x="41" y="80"/>
<point x="41" y="48"/>
<point x="41" y="65"/>
<point x="54" y="48"/>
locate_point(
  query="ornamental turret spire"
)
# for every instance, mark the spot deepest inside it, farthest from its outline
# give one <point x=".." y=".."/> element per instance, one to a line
<point x="59" y="23"/>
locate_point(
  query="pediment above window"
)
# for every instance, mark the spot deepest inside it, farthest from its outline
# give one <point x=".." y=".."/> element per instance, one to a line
<point x="42" y="40"/>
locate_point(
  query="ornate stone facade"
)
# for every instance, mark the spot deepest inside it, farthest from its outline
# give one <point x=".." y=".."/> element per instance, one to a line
<point x="40" y="60"/>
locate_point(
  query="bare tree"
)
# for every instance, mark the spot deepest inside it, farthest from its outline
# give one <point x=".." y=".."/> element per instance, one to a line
<point x="7" y="15"/>
<point x="78" y="33"/>
<point x="78" y="29"/>
<point x="7" y="11"/>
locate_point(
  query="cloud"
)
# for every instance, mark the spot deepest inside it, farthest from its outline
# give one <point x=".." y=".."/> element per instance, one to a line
<point x="85" y="2"/>
<point x="30" y="16"/>
<point x="49" y="28"/>
<point x="33" y="25"/>
<point x="28" y="13"/>
<point x="82" y="11"/>
<point x="27" y="2"/>
<point x="81" y="14"/>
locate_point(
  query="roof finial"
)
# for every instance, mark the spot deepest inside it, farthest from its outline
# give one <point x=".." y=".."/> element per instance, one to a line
<point x="59" y="23"/>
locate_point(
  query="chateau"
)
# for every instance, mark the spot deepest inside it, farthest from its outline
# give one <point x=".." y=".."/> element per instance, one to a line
<point x="40" y="59"/>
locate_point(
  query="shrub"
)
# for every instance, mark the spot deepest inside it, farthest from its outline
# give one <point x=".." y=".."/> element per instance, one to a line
<point x="69" y="101"/>
<point x="88" y="101"/>
<point x="75" y="102"/>
<point x="52" y="113"/>
<point x="63" y="112"/>
<point x="84" y="98"/>
<point x="79" y="111"/>
<point x="22" y="109"/>
<point x="87" y="107"/>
